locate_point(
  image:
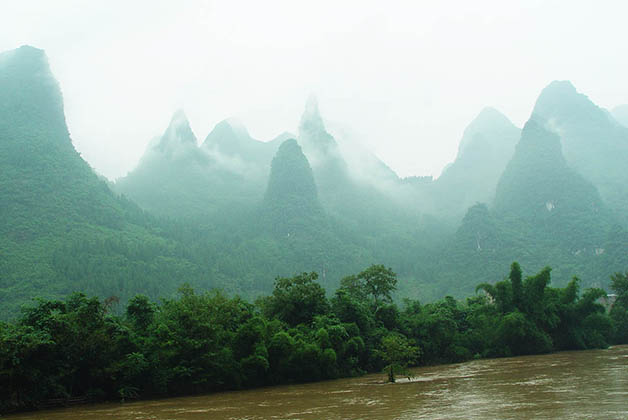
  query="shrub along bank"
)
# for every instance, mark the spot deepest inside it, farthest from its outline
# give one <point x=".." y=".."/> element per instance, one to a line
<point x="77" y="349"/>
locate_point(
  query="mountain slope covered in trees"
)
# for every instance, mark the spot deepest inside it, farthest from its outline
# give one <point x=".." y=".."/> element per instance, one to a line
<point x="179" y="179"/>
<point x="486" y="147"/>
<point x="594" y="143"/>
<point x="62" y="229"/>
<point x="543" y="211"/>
<point x="234" y="212"/>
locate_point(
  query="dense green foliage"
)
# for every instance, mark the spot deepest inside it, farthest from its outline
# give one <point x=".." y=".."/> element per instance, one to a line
<point x="77" y="348"/>
<point x="619" y="310"/>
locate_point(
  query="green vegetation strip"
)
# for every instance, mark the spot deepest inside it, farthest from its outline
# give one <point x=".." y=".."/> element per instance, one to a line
<point x="76" y="350"/>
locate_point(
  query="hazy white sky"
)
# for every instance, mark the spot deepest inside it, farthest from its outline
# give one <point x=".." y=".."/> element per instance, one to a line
<point x="404" y="78"/>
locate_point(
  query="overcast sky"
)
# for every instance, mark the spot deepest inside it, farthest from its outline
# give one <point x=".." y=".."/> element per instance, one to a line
<point x="402" y="78"/>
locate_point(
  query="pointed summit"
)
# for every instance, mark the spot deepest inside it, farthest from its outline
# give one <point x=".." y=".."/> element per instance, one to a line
<point x="179" y="128"/>
<point x="545" y="200"/>
<point x="226" y="138"/>
<point x="317" y="143"/>
<point x="593" y="143"/>
<point x="41" y="171"/>
<point x="286" y="135"/>
<point x="231" y="140"/>
<point x="178" y="134"/>
<point x="179" y="115"/>
<point x="291" y="200"/>
<point x="561" y="100"/>
<point x="170" y="178"/>
<point x="291" y="179"/>
<point x="543" y="212"/>
<point x="53" y="204"/>
<point x="28" y="58"/>
<point x="238" y="127"/>
<point x="29" y="90"/>
<point x="311" y="118"/>
<point x="487" y="145"/>
<point x="489" y="123"/>
<point x="487" y="118"/>
<point x="539" y="145"/>
<point x="324" y="154"/>
<point x="560" y="87"/>
<point x="177" y="147"/>
<point x="537" y="183"/>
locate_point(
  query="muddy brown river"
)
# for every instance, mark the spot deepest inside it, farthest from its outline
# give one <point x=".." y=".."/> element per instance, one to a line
<point x="569" y="385"/>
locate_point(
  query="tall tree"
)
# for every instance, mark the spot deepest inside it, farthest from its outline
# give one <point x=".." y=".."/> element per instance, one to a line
<point x="297" y="300"/>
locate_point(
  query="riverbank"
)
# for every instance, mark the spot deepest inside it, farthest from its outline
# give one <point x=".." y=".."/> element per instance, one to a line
<point x="202" y="343"/>
<point x="565" y="385"/>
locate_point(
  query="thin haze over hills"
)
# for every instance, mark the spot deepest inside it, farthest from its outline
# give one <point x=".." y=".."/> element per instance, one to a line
<point x="402" y="79"/>
<point x="540" y="202"/>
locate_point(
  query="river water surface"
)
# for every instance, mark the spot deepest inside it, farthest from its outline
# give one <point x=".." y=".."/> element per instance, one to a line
<point x="568" y="385"/>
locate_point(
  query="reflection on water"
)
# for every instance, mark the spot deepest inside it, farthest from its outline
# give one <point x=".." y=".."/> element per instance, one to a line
<point x="569" y="385"/>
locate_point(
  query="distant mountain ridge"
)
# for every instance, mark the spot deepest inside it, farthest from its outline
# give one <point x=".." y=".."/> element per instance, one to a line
<point x="231" y="143"/>
<point x="187" y="180"/>
<point x="544" y="213"/>
<point x="538" y="187"/>
<point x="62" y="229"/>
<point x="486" y="146"/>
<point x="235" y="212"/>
<point x="593" y="142"/>
<point x="291" y="181"/>
<point x="36" y="153"/>
<point x="329" y="166"/>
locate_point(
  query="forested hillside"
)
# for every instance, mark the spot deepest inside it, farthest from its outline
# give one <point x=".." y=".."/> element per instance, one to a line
<point x="543" y="211"/>
<point x="235" y="212"/>
<point x="62" y="229"/>
<point x="594" y="143"/>
<point x="176" y="178"/>
<point x="485" y="149"/>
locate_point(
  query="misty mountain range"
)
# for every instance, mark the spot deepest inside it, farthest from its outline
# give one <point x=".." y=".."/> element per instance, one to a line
<point x="233" y="212"/>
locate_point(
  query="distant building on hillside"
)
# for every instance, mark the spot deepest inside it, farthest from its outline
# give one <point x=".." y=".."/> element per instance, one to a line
<point x="607" y="301"/>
